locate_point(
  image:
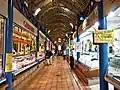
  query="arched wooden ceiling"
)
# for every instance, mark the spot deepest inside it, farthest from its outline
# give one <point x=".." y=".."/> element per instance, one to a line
<point x="56" y="15"/>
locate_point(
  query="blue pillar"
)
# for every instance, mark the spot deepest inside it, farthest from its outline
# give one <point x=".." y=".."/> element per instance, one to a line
<point x="78" y="40"/>
<point x="8" y="42"/>
<point x="69" y="46"/>
<point x="45" y="44"/>
<point x="37" y="43"/>
<point x="103" y="49"/>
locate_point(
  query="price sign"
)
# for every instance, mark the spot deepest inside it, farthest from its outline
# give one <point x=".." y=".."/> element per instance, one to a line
<point x="103" y="36"/>
<point x="8" y="65"/>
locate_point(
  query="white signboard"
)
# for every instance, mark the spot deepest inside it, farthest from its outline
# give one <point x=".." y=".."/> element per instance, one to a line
<point x="78" y="47"/>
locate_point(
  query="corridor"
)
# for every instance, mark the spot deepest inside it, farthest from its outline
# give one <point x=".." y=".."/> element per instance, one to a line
<point x="57" y="76"/>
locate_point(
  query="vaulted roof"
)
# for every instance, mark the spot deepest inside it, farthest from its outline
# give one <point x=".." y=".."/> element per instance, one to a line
<point x="56" y="15"/>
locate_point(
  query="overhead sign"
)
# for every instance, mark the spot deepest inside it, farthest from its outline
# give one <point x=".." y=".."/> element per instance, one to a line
<point x="78" y="47"/>
<point x="103" y="36"/>
<point x="28" y="26"/>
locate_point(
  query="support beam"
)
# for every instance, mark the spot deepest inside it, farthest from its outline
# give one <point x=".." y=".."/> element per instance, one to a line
<point x="8" y="42"/>
<point x="37" y="44"/>
<point x="103" y="49"/>
<point x="78" y="40"/>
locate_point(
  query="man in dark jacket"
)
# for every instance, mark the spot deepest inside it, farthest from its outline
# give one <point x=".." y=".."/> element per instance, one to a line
<point x="50" y="56"/>
<point x="71" y="61"/>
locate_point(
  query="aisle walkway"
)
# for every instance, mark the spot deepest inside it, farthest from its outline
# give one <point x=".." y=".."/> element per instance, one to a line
<point x="53" y="77"/>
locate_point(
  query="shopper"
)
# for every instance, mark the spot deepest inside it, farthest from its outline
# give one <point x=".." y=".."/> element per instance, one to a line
<point x="71" y="61"/>
<point x="47" y="57"/>
<point x="50" y="56"/>
<point x="64" y="55"/>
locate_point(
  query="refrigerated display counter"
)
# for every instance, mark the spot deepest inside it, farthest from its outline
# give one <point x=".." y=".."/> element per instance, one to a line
<point x="20" y="63"/>
<point x="2" y="28"/>
<point x="89" y="55"/>
<point x="114" y="48"/>
<point x="24" y="62"/>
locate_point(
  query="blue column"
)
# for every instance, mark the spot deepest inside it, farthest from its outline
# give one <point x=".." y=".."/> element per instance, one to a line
<point x="78" y="40"/>
<point x="8" y="42"/>
<point x="103" y="49"/>
<point x="45" y="44"/>
<point x="69" y="46"/>
<point x="37" y="43"/>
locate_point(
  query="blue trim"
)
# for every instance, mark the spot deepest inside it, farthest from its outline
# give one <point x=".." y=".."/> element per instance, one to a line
<point x="37" y="42"/>
<point x="103" y="49"/>
<point x="78" y="53"/>
<point x="78" y="37"/>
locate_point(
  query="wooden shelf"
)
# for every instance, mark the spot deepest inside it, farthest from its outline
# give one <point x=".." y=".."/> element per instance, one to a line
<point x="114" y="82"/>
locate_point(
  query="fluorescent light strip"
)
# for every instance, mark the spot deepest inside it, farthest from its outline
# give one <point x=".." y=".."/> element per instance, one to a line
<point x="37" y="11"/>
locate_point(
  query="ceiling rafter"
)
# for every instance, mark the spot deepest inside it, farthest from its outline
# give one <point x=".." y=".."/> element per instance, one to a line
<point x="60" y="9"/>
<point x="57" y="25"/>
<point x="56" y="15"/>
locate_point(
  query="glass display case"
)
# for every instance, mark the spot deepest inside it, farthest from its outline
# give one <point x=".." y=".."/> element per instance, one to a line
<point x="19" y="62"/>
<point x="114" y="48"/>
<point x="114" y="57"/>
<point x="41" y="53"/>
<point x="24" y="49"/>
<point x="89" y="52"/>
<point x="2" y="24"/>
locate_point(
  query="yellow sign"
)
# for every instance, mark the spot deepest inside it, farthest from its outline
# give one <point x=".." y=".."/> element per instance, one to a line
<point x="103" y="36"/>
<point x="8" y="64"/>
<point x="71" y="46"/>
<point x="38" y="53"/>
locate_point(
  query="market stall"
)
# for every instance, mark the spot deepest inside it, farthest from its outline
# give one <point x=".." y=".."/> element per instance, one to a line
<point x="24" y="48"/>
<point x="113" y="19"/>
<point x="41" y="53"/>
<point x="2" y="28"/>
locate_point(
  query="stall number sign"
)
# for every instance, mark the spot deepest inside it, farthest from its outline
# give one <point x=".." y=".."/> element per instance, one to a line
<point x="103" y="36"/>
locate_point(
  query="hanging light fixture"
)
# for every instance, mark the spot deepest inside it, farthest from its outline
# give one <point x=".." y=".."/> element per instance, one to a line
<point x="37" y="11"/>
<point x="71" y="25"/>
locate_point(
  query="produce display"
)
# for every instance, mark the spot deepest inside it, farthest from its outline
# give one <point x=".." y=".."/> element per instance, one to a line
<point x="19" y="62"/>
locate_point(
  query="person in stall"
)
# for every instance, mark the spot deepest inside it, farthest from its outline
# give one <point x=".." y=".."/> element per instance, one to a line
<point x="71" y="60"/>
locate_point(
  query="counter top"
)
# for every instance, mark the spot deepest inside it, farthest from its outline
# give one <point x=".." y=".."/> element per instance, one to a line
<point x="113" y="81"/>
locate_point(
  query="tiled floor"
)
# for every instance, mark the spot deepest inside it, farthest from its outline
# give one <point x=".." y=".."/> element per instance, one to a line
<point x="53" y="77"/>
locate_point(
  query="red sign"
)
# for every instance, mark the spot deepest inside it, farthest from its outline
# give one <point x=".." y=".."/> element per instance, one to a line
<point x="28" y="26"/>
